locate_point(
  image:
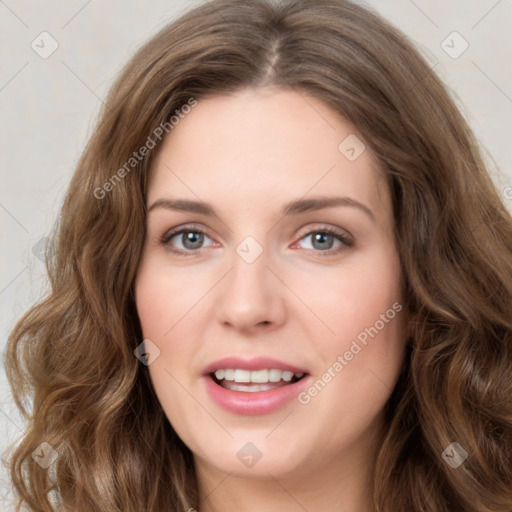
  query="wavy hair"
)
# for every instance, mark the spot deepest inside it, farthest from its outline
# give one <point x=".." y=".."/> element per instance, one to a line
<point x="70" y="359"/>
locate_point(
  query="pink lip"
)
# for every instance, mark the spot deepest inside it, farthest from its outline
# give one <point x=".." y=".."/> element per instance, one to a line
<point x="259" y="363"/>
<point x="259" y="402"/>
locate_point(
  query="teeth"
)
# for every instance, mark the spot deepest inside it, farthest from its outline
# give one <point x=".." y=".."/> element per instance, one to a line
<point x="242" y="376"/>
<point x="260" y="376"/>
<point x="274" y="375"/>
<point x="287" y="376"/>
<point x="257" y="377"/>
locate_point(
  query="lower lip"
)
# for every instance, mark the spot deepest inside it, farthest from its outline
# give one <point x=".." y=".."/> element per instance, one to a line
<point x="253" y="403"/>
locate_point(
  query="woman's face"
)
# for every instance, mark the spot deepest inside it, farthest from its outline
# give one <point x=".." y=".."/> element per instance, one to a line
<point x="286" y="268"/>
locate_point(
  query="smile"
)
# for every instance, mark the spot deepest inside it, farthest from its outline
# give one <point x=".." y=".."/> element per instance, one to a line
<point x="253" y="387"/>
<point x="253" y="381"/>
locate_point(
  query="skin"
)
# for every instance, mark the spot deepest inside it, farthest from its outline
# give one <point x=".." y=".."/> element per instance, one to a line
<point x="247" y="154"/>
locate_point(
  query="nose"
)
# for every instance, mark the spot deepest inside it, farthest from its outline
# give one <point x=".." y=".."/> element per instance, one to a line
<point x="251" y="298"/>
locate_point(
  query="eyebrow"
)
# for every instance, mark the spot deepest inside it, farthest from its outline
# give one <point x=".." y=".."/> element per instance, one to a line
<point x="292" y="208"/>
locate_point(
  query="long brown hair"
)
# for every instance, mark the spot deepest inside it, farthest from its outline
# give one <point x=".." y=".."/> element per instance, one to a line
<point x="71" y="357"/>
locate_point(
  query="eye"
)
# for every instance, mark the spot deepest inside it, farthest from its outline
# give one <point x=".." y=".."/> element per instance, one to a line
<point x="324" y="240"/>
<point x="185" y="240"/>
<point x="190" y="239"/>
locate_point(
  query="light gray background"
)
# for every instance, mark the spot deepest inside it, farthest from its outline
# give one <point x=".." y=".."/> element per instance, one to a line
<point x="49" y="106"/>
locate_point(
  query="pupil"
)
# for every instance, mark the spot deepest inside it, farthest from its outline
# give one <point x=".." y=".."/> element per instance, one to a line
<point x="321" y="237"/>
<point x="193" y="240"/>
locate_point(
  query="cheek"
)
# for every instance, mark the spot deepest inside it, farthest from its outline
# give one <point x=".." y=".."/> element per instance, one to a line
<point x="359" y="376"/>
<point x="160" y="307"/>
<point x="165" y="296"/>
<point x="353" y="297"/>
<point x="170" y="303"/>
<point x="362" y="357"/>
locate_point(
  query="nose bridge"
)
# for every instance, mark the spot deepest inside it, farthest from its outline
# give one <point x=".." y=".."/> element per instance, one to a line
<point x="249" y="264"/>
<point x="250" y="295"/>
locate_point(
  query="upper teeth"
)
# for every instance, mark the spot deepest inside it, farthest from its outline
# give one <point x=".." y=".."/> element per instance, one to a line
<point x="258" y="376"/>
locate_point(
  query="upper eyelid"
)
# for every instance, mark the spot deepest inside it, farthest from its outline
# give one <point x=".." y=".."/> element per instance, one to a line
<point x="187" y="227"/>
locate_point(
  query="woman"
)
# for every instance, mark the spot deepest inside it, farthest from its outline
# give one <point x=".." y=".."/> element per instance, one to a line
<point x="335" y="329"/>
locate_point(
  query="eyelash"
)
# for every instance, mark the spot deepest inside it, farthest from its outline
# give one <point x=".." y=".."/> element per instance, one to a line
<point x="345" y="240"/>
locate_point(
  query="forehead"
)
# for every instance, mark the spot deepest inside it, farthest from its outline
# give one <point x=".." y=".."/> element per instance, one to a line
<point x="265" y="147"/>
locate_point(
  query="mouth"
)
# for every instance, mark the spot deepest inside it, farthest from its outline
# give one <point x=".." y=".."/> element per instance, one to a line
<point x="253" y="381"/>
<point x="253" y="387"/>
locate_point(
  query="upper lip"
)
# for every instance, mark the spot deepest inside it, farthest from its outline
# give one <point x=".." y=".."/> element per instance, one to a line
<point x="258" y="363"/>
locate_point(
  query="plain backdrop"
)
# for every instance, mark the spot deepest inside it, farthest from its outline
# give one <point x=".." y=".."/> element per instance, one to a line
<point x="49" y="104"/>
